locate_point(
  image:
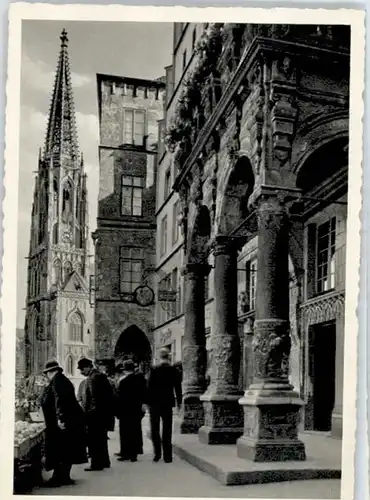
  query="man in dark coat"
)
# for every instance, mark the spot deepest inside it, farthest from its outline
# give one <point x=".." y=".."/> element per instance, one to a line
<point x="104" y="368"/>
<point x="65" y="442"/>
<point x="98" y="401"/>
<point x="164" y="384"/>
<point x="131" y="397"/>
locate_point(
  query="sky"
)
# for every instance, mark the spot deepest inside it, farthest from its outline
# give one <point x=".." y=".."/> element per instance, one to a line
<point x="140" y="50"/>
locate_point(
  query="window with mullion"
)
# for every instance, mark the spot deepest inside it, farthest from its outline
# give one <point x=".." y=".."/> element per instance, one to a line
<point x="163" y="236"/>
<point x="175" y="222"/>
<point x="134" y="127"/>
<point x="131" y="267"/>
<point x="325" y="256"/>
<point x="132" y="195"/>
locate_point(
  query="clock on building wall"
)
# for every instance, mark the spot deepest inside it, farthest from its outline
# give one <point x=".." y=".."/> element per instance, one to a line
<point x="144" y="296"/>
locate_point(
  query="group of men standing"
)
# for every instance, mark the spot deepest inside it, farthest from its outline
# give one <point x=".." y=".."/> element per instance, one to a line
<point x="77" y="427"/>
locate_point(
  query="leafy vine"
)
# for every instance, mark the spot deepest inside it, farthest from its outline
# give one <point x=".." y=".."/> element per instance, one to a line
<point x="189" y="104"/>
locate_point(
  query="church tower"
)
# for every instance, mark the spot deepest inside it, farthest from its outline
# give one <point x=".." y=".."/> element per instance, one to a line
<point x="58" y="313"/>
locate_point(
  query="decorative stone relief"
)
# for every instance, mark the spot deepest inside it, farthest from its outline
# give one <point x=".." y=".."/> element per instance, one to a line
<point x="271" y="345"/>
<point x="251" y="421"/>
<point x="183" y="197"/>
<point x="225" y="364"/>
<point x="222" y="415"/>
<point x="322" y="309"/>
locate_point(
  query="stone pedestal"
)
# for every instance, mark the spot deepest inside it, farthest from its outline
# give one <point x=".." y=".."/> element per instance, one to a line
<point x="223" y="418"/>
<point x="271" y="407"/>
<point x="194" y="351"/>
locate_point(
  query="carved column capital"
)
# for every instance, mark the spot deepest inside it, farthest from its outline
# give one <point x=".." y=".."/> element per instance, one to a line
<point x="275" y="199"/>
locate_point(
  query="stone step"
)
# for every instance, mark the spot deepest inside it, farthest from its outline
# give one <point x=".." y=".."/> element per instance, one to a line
<point x="222" y="462"/>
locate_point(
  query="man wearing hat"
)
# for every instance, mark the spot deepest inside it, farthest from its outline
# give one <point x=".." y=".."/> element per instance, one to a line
<point x="164" y="384"/>
<point x="98" y="405"/>
<point x="65" y="442"/>
<point x="131" y="397"/>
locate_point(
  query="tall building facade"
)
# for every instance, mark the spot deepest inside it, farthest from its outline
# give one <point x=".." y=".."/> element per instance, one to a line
<point x="256" y="137"/>
<point x="169" y="321"/>
<point x="129" y="111"/>
<point x="59" y="320"/>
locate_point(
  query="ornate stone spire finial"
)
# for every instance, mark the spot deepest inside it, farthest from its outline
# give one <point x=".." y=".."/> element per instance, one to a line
<point x="61" y="137"/>
<point x="64" y="38"/>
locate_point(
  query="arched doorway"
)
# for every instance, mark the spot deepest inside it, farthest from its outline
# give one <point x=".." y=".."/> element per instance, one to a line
<point x="134" y="344"/>
<point x="323" y="180"/>
<point x="199" y="236"/>
<point x="239" y="223"/>
<point x="239" y="187"/>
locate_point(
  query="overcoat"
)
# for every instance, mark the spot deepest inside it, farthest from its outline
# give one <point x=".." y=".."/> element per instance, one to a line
<point x="98" y="400"/>
<point x="131" y="395"/>
<point x="68" y="445"/>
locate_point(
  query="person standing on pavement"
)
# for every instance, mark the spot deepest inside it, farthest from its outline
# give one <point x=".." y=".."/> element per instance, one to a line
<point x="131" y="397"/>
<point x="105" y="370"/>
<point x="164" y="390"/>
<point x="98" y="400"/>
<point x="65" y="442"/>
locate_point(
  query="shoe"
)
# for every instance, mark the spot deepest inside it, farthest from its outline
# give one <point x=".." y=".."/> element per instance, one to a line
<point x="107" y="466"/>
<point x="123" y="459"/>
<point x="167" y="460"/>
<point x="133" y="459"/>
<point x="156" y="458"/>
<point x="90" y="469"/>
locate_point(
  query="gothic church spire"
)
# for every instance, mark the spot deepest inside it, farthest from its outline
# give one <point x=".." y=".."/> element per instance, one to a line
<point x="61" y="137"/>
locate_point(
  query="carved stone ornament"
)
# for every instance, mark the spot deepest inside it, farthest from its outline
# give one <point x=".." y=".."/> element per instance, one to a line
<point x="225" y="364"/>
<point x="271" y="345"/>
<point x="286" y="68"/>
<point x="196" y="193"/>
<point x="183" y="198"/>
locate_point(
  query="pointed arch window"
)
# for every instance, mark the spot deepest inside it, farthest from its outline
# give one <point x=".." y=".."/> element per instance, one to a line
<point x="57" y="272"/>
<point x="35" y="326"/>
<point x="55" y="233"/>
<point x="55" y="198"/>
<point x="67" y="269"/>
<point x="78" y="238"/>
<point x="38" y="279"/>
<point x="67" y="202"/>
<point x="70" y="365"/>
<point x="76" y="327"/>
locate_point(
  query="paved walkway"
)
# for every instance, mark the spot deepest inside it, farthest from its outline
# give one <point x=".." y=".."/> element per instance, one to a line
<point x="179" y="479"/>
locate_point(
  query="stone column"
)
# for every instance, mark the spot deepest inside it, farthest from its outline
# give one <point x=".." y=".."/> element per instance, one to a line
<point x="194" y="350"/>
<point x="223" y="418"/>
<point x="271" y="407"/>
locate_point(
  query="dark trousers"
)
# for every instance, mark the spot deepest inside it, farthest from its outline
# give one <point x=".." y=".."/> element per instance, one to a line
<point x="97" y="437"/>
<point x="161" y="442"/>
<point x="62" y="472"/>
<point x="130" y="435"/>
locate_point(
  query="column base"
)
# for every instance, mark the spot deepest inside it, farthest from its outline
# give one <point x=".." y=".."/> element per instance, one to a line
<point x="337" y="425"/>
<point x="223" y="419"/>
<point x="271" y="420"/>
<point x="192" y="417"/>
